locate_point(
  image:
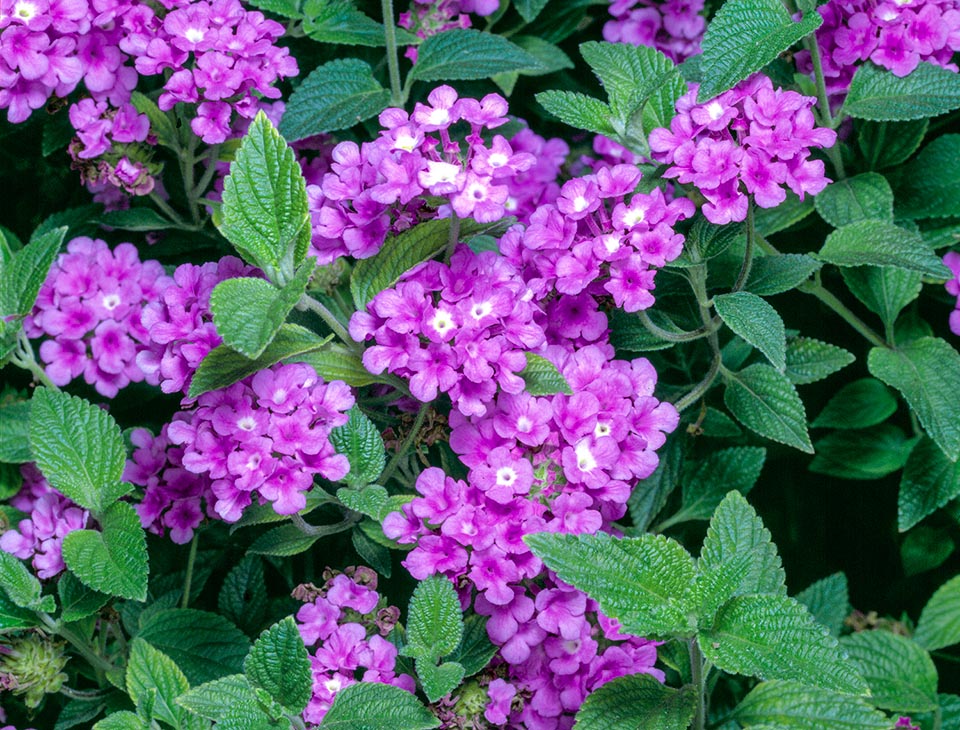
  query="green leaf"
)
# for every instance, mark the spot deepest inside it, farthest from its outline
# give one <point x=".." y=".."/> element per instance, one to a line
<point x="930" y="480"/>
<point x="881" y="96"/>
<point x="21" y="279"/>
<point x="76" y="600"/>
<point x="283" y="541"/>
<point x="925" y="548"/>
<point x="78" y="447"/>
<point x="775" y="637"/>
<point x="646" y="582"/>
<point x="743" y="37"/>
<point x="862" y="403"/>
<point x="12" y="617"/>
<point x="248" y="313"/>
<point x="765" y="401"/>
<point x="637" y="702"/>
<point x="757" y="322"/>
<point x="375" y="706"/>
<point x="338" y="21"/>
<point x="939" y="623"/>
<point x="793" y="706"/>
<point x="529" y="9"/>
<point x="265" y="213"/>
<point x="371" y="552"/>
<point x="707" y="481"/>
<point x="810" y="360"/>
<point x="706" y="241"/>
<point x="335" y="362"/>
<point x="884" y="290"/>
<point x="771" y="275"/>
<point x="286" y="8"/>
<point x="360" y="441"/>
<point x="828" y="600"/>
<point x="924" y="186"/>
<point x="242" y="598"/>
<point x="137" y="219"/>
<point x="231" y="702"/>
<point x="336" y="95"/>
<point x="279" y="664"/>
<point x="204" y="645"/>
<point x="862" y="197"/>
<point x="878" y="243"/>
<point x="950" y="711"/>
<point x="651" y="495"/>
<point x="475" y="649"/>
<point x="223" y="366"/>
<point x="579" y="111"/>
<point x="152" y="671"/>
<point x="439" y="680"/>
<point x="122" y="720"/>
<point x="113" y="561"/>
<point x="885" y="144"/>
<point x="926" y="371"/>
<point x="551" y="57"/>
<point x="15" y="434"/>
<point x="162" y="124"/>
<point x="870" y="453"/>
<point x="78" y="712"/>
<point x="21" y="586"/>
<point x="464" y="53"/>
<point x="901" y="675"/>
<point x="542" y="377"/>
<point x="435" y="621"/>
<point x="372" y="500"/>
<point x="793" y="210"/>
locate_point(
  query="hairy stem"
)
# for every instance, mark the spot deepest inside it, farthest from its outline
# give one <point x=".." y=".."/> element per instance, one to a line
<point x="698" y="679"/>
<point x="393" y="61"/>
<point x="309" y="303"/>
<point x="321" y="530"/>
<point x="24" y="358"/>
<point x="748" y="253"/>
<point x="823" y="102"/>
<point x="95" y="660"/>
<point x="700" y="389"/>
<point x="668" y="336"/>
<point x="816" y="289"/>
<point x="188" y="578"/>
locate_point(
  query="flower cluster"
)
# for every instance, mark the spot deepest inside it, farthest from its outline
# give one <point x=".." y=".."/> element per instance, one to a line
<point x="952" y="262"/>
<point x="267" y="435"/>
<point x="90" y="307"/>
<point x="428" y="17"/>
<point x="674" y="27"/>
<point x="348" y="620"/>
<point x="750" y="141"/>
<point x="39" y="537"/>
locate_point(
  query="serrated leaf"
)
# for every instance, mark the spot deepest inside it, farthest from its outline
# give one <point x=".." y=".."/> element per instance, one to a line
<point x="360" y="441"/>
<point x="743" y="37"/>
<point x="371" y="500"/>
<point x="529" y="9"/>
<point x="939" y="623"/>
<point x="204" y="645"/>
<point x="862" y="403"/>
<point x="870" y="453"/>
<point x="637" y="702"/>
<point x="242" y="598"/>
<point x="765" y="401"/>
<point x="757" y="322"/>
<point x="862" y="197"/>
<point x="879" y="243"/>
<point x="336" y="95"/>
<point x="926" y="371"/>
<point x="21" y="279"/>
<point x="706" y="240"/>
<point x="338" y="21"/>
<point x="230" y="701"/>
<point x="542" y="377"/>
<point x="828" y="600"/>
<point x="810" y="360"/>
<point x="793" y="706"/>
<point x="335" y="362"/>
<point x="707" y="481"/>
<point x="21" y="586"/>
<point x="465" y="53"/>
<point x="551" y="57"/>
<point x="885" y="144"/>
<point x="122" y="720"/>
<point x="651" y="495"/>
<point x="771" y="275"/>
<point x="901" y="675"/>
<point x="883" y="290"/>
<point x="264" y="212"/>
<point x="881" y="96"/>
<point x="78" y="712"/>
<point x="279" y="664"/>
<point x="578" y="110"/>
<point x="646" y="581"/>
<point x="375" y="706"/>
<point x="113" y="561"/>
<point x="150" y="670"/>
<point x="925" y="186"/>
<point x="475" y="649"/>
<point x="775" y="637"/>
<point x="77" y="601"/>
<point x="929" y="481"/>
<point x="15" y="434"/>
<point x="439" y="680"/>
<point x="286" y="8"/>
<point x="78" y="447"/>
<point x="435" y="621"/>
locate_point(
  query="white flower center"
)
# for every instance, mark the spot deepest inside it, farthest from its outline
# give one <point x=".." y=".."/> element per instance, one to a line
<point x="601" y="429"/>
<point x="110" y="301"/>
<point x="580" y="203"/>
<point x="497" y="159"/>
<point x="506" y="476"/>
<point x="24" y="10"/>
<point x="511" y="204"/>
<point x="439" y="172"/>
<point x="481" y="310"/>
<point x="438" y="117"/>
<point x="611" y="242"/>
<point x="405" y="141"/>
<point x="585" y="460"/>
<point x="247" y="423"/>
<point x="714" y="110"/>
<point x="194" y="35"/>
<point x="524" y="424"/>
<point x="633" y="216"/>
<point x="442" y="322"/>
<point x="333" y="685"/>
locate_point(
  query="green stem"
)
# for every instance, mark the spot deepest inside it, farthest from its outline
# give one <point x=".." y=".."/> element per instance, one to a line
<point x="321" y="530"/>
<point x="454" y="238"/>
<point x="83" y="695"/>
<point x="668" y="336"/>
<point x="23" y="357"/>
<point x="188" y="578"/>
<point x="815" y="288"/>
<point x="823" y="102"/>
<point x="95" y="660"/>
<point x="165" y="208"/>
<point x="748" y="253"/>
<point x="393" y="62"/>
<point x="697" y="679"/>
<point x="201" y="187"/>
<point x="311" y="304"/>
<point x="700" y="389"/>
<point x="187" y="163"/>
<point x="405" y="446"/>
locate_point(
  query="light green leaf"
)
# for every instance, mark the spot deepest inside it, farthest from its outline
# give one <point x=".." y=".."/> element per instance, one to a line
<point x="878" y="243"/>
<point x="475" y="649"/>
<point x="766" y="402"/>
<point x="230" y="701"/>
<point x="901" y="675"/>
<point x="542" y="377"/>
<point x="149" y="670"/>
<point x="21" y="279"/>
<point x="335" y="362"/>
<point x="529" y="9"/>
<point x="21" y="586"/>
<point x="113" y="561"/>
<point x="775" y="637"/>
<point x="371" y="500"/>
<point x="637" y="702"/>
<point x="286" y="8"/>
<point x="794" y="706"/>
<point x="265" y="213"/>
<point x="336" y="95"/>
<point x="930" y="480"/>
<point x="375" y="706"/>
<point x="926" y="371"/>
<point x="939" y="623"/>
<point x="435" y="621"/>
<point x="925" y="186"/>
<point x="828" y="600"/>
<point x="862" y="403"/>
<point x="885" y="144"/>
<point x="771" y="275"/>
<point x="76" y="600"/>
<point x="870" y="453"/>
<point x="439" y="680"/>
<point x="646" y="582"/>
<point x="15" y="434"/>
<point x="884" y="290"/>
<point x="279" y="664"/>
<point x="707" y="481"/>
<point x="579" y="111"/>
<point x="122" y="720"/>
<point x="862" y="197"/>
<point x="757" y="322"/>
<point x="360" y="441"/>
<point x="810" y="360"/>
<point x="743" y="37"/>
<point x="463" y="54"/>
<point x="881" y="96"/>
<point x="242" y="598"/>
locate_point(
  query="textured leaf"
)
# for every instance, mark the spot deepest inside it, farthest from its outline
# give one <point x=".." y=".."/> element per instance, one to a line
<point x="810" y="360"/>
<point x="878" y="243"/>
<point x="579" y="111"/>
<point x="646" y="582"/>
<point x="149" y="670"/>
<point x="885" y="144"/>
<point x="637" y="702"/>
<point x="924" y="548"/>
<point x="925" y="186"/>
<point x="374" y="706"/>
<point x="542" y="377"/>
<point x="930" y="480"/>
<point x="870" y="453"/>
<point x="335" y="362"/>
<point x="551" y="57"/>
<point x="15" y="434"/>
<point x="884" y="290"/>
<point x="283" y="541"/>
<point x="336" y="95"/>
<point x="862" y="197"/>
<point x="286" y="8"/>
<point x="775" y="637"/>
<point x="475" y="649"/>
<point x="435" y="621"/>
<point x="927" y="373"/>
<point x="757" y="322"/>
<point x="793" y="210"/>
<point x="360" y="441"/>
<point x="113" y="561"/>
<point x="76" y="600"/>
<point x="21" y="586"/>
<point x="338" y="21"/>
<point x="879" y="95"/>
<point x="78" y="447"/>
<point x="230" y="701"/>
<point x="137" y="219"/>
<point x="122" y="720"/>
<point x="204" y="645"/>
<point x="265" y="213"/>
<point x="529" y="9"/>
<point x="21" y="279"/>
<point x="794" y="706"/>
<point x="743" y="37"/>
<point x="371" y="552"/>
<point x="707" y="481"/>
<point x="706" y="241"/>
<point x="901" y="675"/>
<point x="13" y="617"/>
<point x="78" y="712"/>
<point x="771" y="275"/>
<point x="279" y="664"/>
<point x="862" y="403"/>
<point x="162" y="124"/>
<point x="950" y="711"/>
<point x="242" y="598"/>
<point x="828" y="600"/>
<point x="766" y="402"/>
<point x="464" y="53"/>
<point x="939" y="623"/>
<point x="372" y="500"/>
<point x="439" y="680"/>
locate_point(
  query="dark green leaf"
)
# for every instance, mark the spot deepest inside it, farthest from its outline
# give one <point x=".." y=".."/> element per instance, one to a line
<point x="810" y="360"/>
<point x="881" y="96"/>
<point x="242" y="598"/>
<point x="360" y="441"/>
<point x="901" y="675"/>
<point x="706" y="481"/>
<point x="828" y="600"/>
<point x="878" y="243"/>
<point x="78" y="712"/>
<point x="757" y="322"/>
<point x="435" y="621"/>
<point x="12" y="617"/>
<point x="793" y="210"/>
<point x="529" y="9"/>
<point x="939" y="623"/>
<point x="925" y="186"/>
<point x="338" y="21"/>
<point x="279" y="664"/>
<point x="862" y="197"/>
<point x="76" y="600"/>
<point x="374" y="706"/>
<point x="862" y="403"/>
<point x="870" y="453"/>
<point x="136" y="219"/>
<point x="637" y="702"/>
<point x="15" y="434"/>
<point x="930" y="480"/>
<point x="883" y="290"/>
<point x="885" y="144"/>
<point x="464" y="53"/>
<point x="475" y="650"/>
<point x="651" y="495"/>
<point x="776" y="274"/>
<point x="706" y="241"/>
<point x="551" y="57"/>
<point x="162" y="124"/>
<point x="795" y="706"/>
<point x="765" y="401"/>
<point x="924" y="548"/>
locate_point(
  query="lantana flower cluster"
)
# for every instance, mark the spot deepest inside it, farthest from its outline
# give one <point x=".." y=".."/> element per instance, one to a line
<point x="674" y="27"/>
<point x="428" y="17"/>
<point x="89" y="308"/>
<point x="751" y="141"/>
<point x="952" y="262"/>
<point x="347" y="620"/>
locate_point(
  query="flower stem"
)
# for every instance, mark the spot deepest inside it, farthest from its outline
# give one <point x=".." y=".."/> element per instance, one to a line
<point x="698" y="679"/>
<point x="748" y="253"/>
<point x="668" y="336"/>
<point x="454" y="238"/>
<point x="23" y="357"/>
<point x="311" y="304"/>
<point x="700" y="388"/>
<point x="815" y="288"/>
<point x="823" y="101"/>
<point x="188" y="578"/>
<point x="393" y="62"/>
<point x="95" y="660"/>
<point x="405" y="446"/>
